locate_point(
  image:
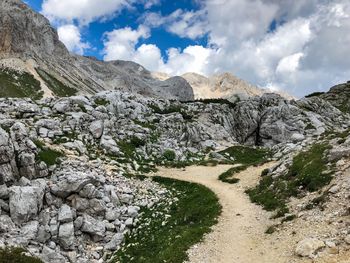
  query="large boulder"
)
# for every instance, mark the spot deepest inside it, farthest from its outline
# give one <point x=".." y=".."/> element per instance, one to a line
<point x="69" y="182"/>
<point x="8" y="168"/>
<point x="95" y="228"/>
<point x="66" y="235"/>
<point x="25" y="202"/>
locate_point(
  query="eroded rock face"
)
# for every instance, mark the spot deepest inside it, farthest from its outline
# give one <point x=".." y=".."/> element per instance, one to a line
<point x="25" y="202"/>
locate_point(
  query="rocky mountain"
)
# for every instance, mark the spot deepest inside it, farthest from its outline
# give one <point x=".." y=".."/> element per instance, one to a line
<point x="29" y="48"/>
<point x="338" y="96"/>
<point x="224" y="86"/>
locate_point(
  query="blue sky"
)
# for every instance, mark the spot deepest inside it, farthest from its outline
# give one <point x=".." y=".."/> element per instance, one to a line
<point x="93" y="33"/>
<point x="293" y="45"/>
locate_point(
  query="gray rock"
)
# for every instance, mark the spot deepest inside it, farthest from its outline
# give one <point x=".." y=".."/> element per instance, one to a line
<point x="65" y="214"/>
<point x="50" y="255"/>
<point x="66" y="235"/>
<point x="25" y="203"/>
<point x="4" y="192"/>
<point x="116" y="241"/>
<point x="133" y="211"/>
<point x="309" y="247"/>
<point x="112" y="215"/>
<point x="6" y="224"/>
<point x="96" y="129"/>
<point x="30" y="230"/>
<point x="69" y="183"/>
<point x="93" y="227"/>
<point x="43" y="234"/>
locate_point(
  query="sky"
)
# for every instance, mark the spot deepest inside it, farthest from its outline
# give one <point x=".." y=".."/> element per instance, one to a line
<point x="299" y="46"/>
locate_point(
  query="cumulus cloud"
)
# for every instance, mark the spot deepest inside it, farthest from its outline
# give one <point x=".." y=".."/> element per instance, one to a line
<point x="71" y="37"/>
<point x="83" y="11"/>
<point x="122" y="44"/>
<point x="190" y="24"/>
<point x="305" y="50"/>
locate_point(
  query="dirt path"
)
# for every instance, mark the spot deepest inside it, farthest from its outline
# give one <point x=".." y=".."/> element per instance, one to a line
<point x="239" y="236"/>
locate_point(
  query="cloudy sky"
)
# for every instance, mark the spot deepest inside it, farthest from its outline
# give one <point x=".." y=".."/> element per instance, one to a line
<point x="299" y="46"/>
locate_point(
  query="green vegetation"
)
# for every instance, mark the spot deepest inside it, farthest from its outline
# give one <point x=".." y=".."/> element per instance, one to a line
<point x="128" y="147"/>
<point x="307" y="173"/>
<point x="16" y="255"/>
<point x="246" y="156"/>
<point x="169" y="155"/>
<point x="226" y="177"/>
<point x="172" y="109"/>
<point x="101" y="102"/>
<point x="309" y="126"/>
<point x="147" y="125"/>
<point x="46" y="155"/>
<point x="315" y="94"/>
<point x="270" y="230"/>
<point x="19" y="85"/>
<point x="190" y="218"/>
<point x="56" y="86"/>
<point x="216" y="101"/>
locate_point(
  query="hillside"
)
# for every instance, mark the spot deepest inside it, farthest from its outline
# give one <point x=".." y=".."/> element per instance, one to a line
<point x="29" y="45"/>
<point x="109" y="162"/>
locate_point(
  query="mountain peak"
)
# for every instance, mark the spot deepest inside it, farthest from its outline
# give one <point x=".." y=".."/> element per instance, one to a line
<point x="27" y="33"/>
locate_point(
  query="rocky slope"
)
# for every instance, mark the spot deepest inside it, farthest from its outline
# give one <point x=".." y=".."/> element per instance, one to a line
<point x="339" y="96"/>
<point x="64" y="191"/>
<point x="29" y="44"/>
<point x="224" y="86"/>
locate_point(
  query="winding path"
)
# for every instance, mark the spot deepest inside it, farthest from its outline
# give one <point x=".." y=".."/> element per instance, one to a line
<point x="239" y="235"/>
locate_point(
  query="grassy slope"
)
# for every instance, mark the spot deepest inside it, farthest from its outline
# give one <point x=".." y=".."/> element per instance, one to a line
<point x="307" y="173"/>
<point x="19" y="85"/>
<point x="56" y="86"/>
<point x="15" y="255"/>
<point x="190" y="218"/>
<point x="246" y="156"/>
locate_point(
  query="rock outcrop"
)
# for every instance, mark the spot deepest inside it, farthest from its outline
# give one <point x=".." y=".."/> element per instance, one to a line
<point x="223" y="86"/>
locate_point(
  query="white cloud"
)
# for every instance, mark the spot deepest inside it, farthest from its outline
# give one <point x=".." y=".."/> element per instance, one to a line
<point x="190" y="24"/>
<point x="308" y="49"/>
<point x="71" y="37"/>
<point x="84" y="11"/>
<point x="191" y="59"/>
<point x="87" y="11"/>
<point x="122" y="44"/>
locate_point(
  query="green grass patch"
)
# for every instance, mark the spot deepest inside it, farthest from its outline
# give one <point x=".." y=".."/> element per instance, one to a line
<point x="101" y="102"/>
<point x="56" y="86"/>
<point x="172" y="109"/>
<point x="189" y="219"/>
<point x="16" y="255"/>
<point x="227" y="177"/>
<point x="270" y="230"/>
<point x="128" y="147"/>
<point x="169" y="155"/>
<point x="215" y="101"/>
<point x="47" y="155"/>
<point x="247" y="155"/>
<point x="19" y="85"/>
<point x="307" y="173"/>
